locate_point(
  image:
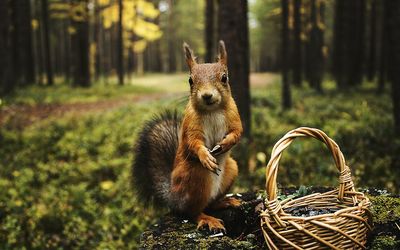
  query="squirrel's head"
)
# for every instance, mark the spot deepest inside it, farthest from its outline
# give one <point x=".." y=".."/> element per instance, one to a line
<point x="209" y="82"/>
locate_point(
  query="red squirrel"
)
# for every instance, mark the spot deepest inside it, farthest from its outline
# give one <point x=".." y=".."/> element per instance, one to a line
<point x="186" y="163"/>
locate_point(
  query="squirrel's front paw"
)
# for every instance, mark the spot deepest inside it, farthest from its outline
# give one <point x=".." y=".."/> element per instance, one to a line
<point x="208" y="161"/>
<point x="225" y="145"/>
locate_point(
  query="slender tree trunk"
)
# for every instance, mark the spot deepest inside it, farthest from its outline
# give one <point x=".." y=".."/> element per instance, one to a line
<point x="17" y="69"/>
<point x="393" y="8"/>
<point x="171" y="38"/>
<point x="384" y="47"/>
<point x="297" y="53"/>
<point x="46" y="34"/>
<point x="80" y="46"/>
<point x="120" y="53"/>
<point x="38" y="34"/>
<point x="6" y="65"/>
<point x="286" y="93"/>
<point x="372" y="42"/>
<point x="67" y="49"/>
<point x="316" y="58"/>
<point x="209" y="30"/>
<point x="97" y="26"/>
<point x="26" y="41"/>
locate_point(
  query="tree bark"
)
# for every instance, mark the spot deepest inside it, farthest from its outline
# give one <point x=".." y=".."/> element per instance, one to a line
<point x="372" y="42"/>
<point x="286" y="93"/>
<point x="349" y="42"/>
<point x="120" y="52"/>
<point x="384" y="47"/>
<point x="26" y="37"/>
<point x="316" y="43"/>
<point x="393" y="8"/>
<point x="46" y="39"/>
<point x="297" y="53"/>
<point x="209" y="30"/>
<point x="171" y="38"/>
<point x="6" y="65"/>
<point x="233" y="29"/>
<point x="80" y="47"/>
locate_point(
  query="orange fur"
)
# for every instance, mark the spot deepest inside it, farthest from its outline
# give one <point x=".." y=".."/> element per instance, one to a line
<point x="193" y="184"/>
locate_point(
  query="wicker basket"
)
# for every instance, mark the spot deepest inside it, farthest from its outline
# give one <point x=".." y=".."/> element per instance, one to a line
<point x="345" y="228"/>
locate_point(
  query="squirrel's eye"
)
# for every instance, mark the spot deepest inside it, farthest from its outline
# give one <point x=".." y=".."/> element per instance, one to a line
<point x="190" y="81"/>
<point x="224" y="78"/>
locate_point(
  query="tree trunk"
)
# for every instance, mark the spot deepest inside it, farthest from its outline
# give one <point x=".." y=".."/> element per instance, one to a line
<point x="384" y="47"/>
<point x="26" y="37"/>
<point x="297" y="53"/>
<point x="120" y="53"/>
<point x="372" y="43"/>
<point x="209" y="31"/>
<point x="80" y="48"/>
<point x="46" y="38"/>
<point x="233" y="29"/>
<point x="393" y="16"/>
<point x="6" y="64"/>
<point x="286" y="94"/>
<point x="349" y="42"/>
<point x="171" y="38"/>
<point x="316" y="43"/>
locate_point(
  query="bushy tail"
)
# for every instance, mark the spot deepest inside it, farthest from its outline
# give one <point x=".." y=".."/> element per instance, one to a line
<point x="155" y="152"/>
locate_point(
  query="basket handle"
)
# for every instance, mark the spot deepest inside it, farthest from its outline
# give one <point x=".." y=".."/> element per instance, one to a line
<point x="345" y="182"/>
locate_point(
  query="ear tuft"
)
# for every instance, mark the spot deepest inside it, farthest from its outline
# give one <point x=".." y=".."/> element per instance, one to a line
<point x="222" y="57"/>
<point x="190" y="59"/>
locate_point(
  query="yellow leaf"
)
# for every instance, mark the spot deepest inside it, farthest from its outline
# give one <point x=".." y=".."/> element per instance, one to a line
<point x="71" y="30"/>
<point x="103" y="2"/>
<point x="106" y="185"/>
<point x="35" y="24"/>
<point x="139" y="46"/>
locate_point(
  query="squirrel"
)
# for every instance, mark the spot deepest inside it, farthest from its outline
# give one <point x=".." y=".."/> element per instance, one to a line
<point x="185" y="163"/>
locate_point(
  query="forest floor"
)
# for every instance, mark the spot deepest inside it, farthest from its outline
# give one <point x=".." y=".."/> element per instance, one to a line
<point x="23" y="112"/>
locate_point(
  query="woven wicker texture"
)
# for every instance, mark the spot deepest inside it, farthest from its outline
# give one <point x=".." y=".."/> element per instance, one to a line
<point x="347" y="227"/>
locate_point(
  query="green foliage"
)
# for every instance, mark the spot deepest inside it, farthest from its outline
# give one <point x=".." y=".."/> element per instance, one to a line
<point x="62" y="93"/>
<point x="358" y="120"/>
<point x="66" y="183"/>
<point x="385" y="242"/>
<point x="385" y="209"/>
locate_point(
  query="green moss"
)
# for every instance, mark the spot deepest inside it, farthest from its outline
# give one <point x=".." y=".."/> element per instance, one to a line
<point x="385" y="242"/>
<point x="385" y="209"/>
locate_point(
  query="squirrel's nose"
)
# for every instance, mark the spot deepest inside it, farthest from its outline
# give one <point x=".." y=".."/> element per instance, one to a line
<point x="207" y="96"/>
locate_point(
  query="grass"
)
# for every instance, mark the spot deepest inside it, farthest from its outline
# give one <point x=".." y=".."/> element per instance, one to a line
<point x="102" y="90"/>
<point x="66" y="181"/>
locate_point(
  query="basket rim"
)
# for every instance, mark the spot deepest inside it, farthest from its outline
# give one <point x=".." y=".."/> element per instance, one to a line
<point x="285" y="204"/>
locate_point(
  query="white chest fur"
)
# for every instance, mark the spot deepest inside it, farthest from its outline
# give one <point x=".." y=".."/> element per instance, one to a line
<point x="215" y="128"/>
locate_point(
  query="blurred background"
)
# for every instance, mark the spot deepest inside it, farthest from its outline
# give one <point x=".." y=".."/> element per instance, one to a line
<point x="79" y="77"/>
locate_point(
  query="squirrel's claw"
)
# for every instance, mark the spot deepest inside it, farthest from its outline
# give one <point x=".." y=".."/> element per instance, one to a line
<point x="209" y="162"/>
<point x="216" y="150"/>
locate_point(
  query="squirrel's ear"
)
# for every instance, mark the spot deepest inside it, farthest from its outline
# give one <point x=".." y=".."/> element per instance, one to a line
<point x="190" y="59"/>
<point x="222" y="57"/>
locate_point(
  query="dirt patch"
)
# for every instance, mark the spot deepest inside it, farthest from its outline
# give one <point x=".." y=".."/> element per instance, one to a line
<point x="22" y="115"/>
<point x="259" y="80"/>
